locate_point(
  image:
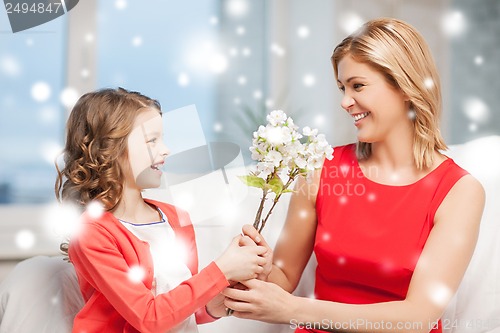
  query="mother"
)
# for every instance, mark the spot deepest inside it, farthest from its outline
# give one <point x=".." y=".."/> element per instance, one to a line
<point x="392" y="221"/>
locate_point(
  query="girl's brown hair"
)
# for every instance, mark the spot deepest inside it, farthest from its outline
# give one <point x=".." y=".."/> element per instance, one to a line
<point x="96" y="138"/>
<point x="399" y="52"/>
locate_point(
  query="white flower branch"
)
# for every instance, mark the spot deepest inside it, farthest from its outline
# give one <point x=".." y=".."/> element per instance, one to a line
<point x="278" y="150"/>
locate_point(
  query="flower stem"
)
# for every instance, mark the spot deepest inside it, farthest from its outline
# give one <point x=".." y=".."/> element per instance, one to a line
<point x="258" y="216"/>
<point x="291" y="178"/>
<point x="275" y="201"/>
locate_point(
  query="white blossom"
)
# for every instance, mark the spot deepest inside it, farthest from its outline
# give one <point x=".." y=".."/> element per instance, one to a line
<point x="264" y="169"/>
<point x="278" y="149"/>
<point x="274" y="158"/>
<point x="307" y="131"/>
<point x="277" y="117"/>
<point x="280" y="154"/>
<point x="256" y="155"/>
<point x="261" y="133"/>
<point x="315" y="162"/>
<point x="291" y="124"/>
<point x="278" y="135"/>
<point x="301" y="162"/>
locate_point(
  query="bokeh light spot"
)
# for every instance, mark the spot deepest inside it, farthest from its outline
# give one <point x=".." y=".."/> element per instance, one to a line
<point x="319" y="120"/>
<point x="269" y="103"/>
<point x="440" y="294"/>
<point x="242" y="80"/>
<point x="237" y="8"/>
<point x="183" y="80"/>
<point x="349" y="22"/>
<point x="303" y="31"/>
<point x="136" y="274"/>
<point x="48" y="115"/>
<point x="95" y="209"/>
<point x="137" y="41"/>
<point x="121" y="4"/>
<point x="277" y="50"/>
<point x="89" y="38"/>
<point x="25" y="239"/>
<point x="453" y="24"/>
<point x="69" y="96"/>
<point x="85" y="73"/>
<point x="10" y="66"/>
<point x="309" y="80"/>
<point x="218" y="127"/>
<point x="240" y="30"/>
<point x="246" y="52"/>
<point x="41" y="91"/>
<point x="217" y="63"/>
<point x="476" y="110"/>
<point x="478" y="60"/>
<point x="61" y="220"/>
<point x="233" y="52"/>
<point x="50" y="150"/>
<point x="429" y="83"/>
<point x="214" y="20"/>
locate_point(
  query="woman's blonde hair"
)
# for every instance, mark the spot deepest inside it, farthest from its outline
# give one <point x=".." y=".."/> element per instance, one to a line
<point x="399" y="52"/>
<point x="96" y="138"/>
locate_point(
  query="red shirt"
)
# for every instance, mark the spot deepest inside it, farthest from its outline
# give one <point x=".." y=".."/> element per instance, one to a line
<point x="104" y="251"/>
<point x="369" y="235"/>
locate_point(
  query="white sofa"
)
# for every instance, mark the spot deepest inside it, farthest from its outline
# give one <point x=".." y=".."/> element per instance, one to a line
<point x="475" y="307"/>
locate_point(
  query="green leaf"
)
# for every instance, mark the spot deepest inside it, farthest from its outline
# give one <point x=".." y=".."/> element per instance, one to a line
<point x="276" y="185"/>
<point x="288" y="190"/>
<point x="253" y="181"/>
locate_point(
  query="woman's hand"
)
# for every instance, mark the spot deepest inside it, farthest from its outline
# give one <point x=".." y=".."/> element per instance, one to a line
<point x="262" y="301"/>
<point x="240" y="263"/>
<point x="249" y="231"/>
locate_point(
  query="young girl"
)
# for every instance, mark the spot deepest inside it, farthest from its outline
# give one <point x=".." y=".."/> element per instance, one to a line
<point x="137" y="261"/>
<point x="394" y="222"/>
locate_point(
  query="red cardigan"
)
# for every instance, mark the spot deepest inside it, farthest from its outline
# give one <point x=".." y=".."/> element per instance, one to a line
<point x="103" y="252"/>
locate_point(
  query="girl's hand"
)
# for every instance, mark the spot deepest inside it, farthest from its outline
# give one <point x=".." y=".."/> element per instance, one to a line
<point x="249" y="231"/>
<point x="240" y="263"/>
<point x="263" y="301"/>
<point x="216" y="307"/>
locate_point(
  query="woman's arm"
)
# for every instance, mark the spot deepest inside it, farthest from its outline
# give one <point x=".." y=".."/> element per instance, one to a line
<point x="296" y="241"/>
<point x="437" y="275"/>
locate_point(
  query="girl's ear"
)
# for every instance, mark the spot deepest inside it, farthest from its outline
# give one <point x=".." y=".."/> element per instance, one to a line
<point x="123" y="163"/>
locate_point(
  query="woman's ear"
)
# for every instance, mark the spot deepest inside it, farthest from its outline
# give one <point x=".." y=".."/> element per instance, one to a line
<point x="406" y="98"/>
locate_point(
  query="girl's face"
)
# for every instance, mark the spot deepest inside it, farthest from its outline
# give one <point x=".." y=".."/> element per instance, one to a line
<point x="377" y="108"/>
<point x="146" y="150"/>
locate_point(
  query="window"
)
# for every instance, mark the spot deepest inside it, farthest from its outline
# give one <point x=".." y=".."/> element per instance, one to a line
<point x="32" y="71"/>
<point x="166" y="50"/>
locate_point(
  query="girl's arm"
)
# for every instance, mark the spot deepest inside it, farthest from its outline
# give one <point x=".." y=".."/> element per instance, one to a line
<point x="98" y="260"/>
<point x="437" y="276"/>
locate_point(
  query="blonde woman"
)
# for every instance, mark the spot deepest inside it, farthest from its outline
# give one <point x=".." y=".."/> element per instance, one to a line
<point x="392" y="221"/>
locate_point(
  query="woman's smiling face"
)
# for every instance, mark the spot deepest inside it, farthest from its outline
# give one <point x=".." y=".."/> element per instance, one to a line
<point x="377" y="107"/>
